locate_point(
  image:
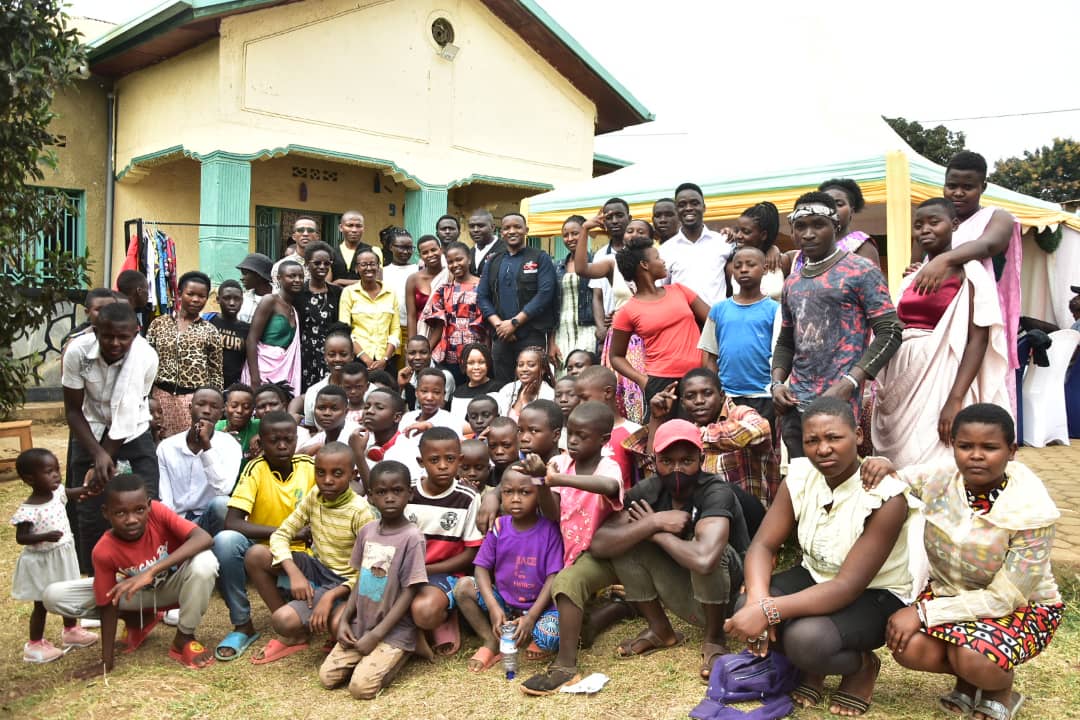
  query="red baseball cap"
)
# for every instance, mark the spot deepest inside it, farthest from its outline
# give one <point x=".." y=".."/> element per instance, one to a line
<point x="674" y="431"/>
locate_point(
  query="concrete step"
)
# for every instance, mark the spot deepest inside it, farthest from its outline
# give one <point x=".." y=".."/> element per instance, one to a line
<point x="41" y="412"/>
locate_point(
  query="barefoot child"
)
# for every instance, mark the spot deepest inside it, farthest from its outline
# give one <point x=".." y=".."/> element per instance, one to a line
<point x="445" y="511"/>
<point x="318" y="583"/>
<point x="515" y="568"/>
<point x="270" y="488"/>
<point x="375" y="634"/>
<point x="582" y="488"/>
<point x="164" y="560"/>
<point x="48" y="556"/>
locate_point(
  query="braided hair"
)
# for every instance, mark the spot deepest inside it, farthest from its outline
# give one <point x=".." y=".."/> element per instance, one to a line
<point x="767" y="218"/>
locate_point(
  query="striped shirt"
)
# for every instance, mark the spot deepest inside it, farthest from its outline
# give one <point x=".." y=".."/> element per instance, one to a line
<point x="333" y="531"/>
<point x="448" y="521"/>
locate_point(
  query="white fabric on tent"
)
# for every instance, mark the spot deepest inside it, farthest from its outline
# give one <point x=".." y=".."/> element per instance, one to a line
<point x="1046" y="279"/>
<point x="1045" y="420"/>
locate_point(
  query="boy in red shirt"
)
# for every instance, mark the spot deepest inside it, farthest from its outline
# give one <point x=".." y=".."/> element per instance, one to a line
<point x="165" y="561"/>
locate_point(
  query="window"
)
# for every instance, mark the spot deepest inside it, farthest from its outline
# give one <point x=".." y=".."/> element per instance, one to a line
<point x="66" y="232"/>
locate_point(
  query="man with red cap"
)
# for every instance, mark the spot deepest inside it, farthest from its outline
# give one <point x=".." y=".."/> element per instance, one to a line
<point x="678" y="544"/>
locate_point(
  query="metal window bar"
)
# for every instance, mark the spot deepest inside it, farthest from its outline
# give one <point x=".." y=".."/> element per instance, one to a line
<point x="62" y="235"/>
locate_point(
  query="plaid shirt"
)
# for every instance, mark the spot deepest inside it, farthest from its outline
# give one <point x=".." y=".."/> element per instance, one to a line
<point x="738" y="447"/>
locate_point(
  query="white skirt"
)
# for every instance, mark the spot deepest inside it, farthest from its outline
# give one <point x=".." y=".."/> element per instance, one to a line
<point x="35" y="571"/>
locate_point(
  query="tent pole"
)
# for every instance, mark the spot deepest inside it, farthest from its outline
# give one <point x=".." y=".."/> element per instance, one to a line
<point x="897" y="218"/>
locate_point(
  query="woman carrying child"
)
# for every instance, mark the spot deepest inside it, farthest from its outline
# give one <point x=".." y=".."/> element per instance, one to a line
<point x="992" y="602"/>
<point x="952" y="354"/>
<point x="828" y="614"/>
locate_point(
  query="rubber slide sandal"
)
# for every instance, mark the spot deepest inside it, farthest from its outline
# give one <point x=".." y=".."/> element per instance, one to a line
<point x="236" y="641"/>
<point x="276" y="650"/>
<point x="189" y="656"/>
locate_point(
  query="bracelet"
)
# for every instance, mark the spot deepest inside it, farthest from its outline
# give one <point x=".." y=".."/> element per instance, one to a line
<point x="852" y="380"/>
<point x="768" y="606"/>
<point x="921" y="613"/>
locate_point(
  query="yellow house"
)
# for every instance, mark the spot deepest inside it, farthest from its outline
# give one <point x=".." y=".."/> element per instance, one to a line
<point x="222" y="120"/>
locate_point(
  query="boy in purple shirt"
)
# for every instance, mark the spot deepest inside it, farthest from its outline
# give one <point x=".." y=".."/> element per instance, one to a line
<point x="514" y="571"/>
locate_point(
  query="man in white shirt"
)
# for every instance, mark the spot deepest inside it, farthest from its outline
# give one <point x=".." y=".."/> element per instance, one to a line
<point x="304" y="231"/>
<point x="396" y="275"/>
<point x="198" y="466"/>
<point x="616" y="215"/>
<point x="107" y="376"/>
<point x="696" y="256"/>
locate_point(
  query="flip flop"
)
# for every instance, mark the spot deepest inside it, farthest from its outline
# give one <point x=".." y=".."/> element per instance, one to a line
<point x="446" y="639"/>
<point x="188" y="657"/>
<point x="860" y="705"/>
<point x="487" y="658"/>
<point x="134" y="637"/>
<point x="236" y="641"/>
<point x="709" y="653"/>
<point x="655" y="645"/>
<point x="548" y="683"/>
<point x="534" y="653"/>
<point x="276" y="650"/>
<point x="957" y="703"/>
<point x="812" y="695"/>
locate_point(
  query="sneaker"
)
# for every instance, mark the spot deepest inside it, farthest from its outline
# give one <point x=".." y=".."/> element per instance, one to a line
<point x="41" y="651"/>
<point x="76" y="636"/>
<point x="172" y="617"/>
<point x="90" y="623"/>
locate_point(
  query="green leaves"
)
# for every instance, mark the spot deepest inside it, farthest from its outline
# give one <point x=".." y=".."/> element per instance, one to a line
<point x="1051" y="173"/>
<point x="937" y="143"/>
<point x="39" y="54"/>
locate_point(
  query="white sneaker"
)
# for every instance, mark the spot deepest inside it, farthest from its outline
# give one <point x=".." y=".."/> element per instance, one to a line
<point x="90" y="623"/>
<point x="172" y="617"/>
<point x="41" y="651"/>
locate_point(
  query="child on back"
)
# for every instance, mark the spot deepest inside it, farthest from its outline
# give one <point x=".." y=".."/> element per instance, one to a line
<point x="48" y="556"/>
<point x="445" y="511"/>
<point x="737" y="339"/>
<point x="163" y="560"/>
<point x="582" y="488"/>
<point x="375" y="633"/>
<point x="599" y="384"/>
<point x="318" y="583"/>
<point x="331" y="417"/>
<point x="515" y="568"/>
<point x="238" y="422"/>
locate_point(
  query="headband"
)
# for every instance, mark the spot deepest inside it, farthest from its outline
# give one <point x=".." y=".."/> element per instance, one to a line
<point x="802" y="211"/>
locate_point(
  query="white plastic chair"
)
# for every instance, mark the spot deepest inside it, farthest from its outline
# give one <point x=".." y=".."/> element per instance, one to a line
<point x="1045" y="420"/>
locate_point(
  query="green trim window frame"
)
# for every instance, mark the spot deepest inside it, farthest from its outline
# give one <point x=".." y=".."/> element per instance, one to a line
<point x="272" y="232"/>
<point x="67" y="234"/>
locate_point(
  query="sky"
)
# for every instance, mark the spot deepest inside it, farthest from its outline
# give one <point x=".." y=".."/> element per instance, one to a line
<point x="702" y="66"/>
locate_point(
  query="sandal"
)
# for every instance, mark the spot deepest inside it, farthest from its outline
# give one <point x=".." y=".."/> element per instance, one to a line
<point x="533" y="653"/>
<point x="811" y="695"/>
<point x="446" y="639"/>
<point x="848" y="701"/>
<point x="276" y="650"/>
<point x="134" y="636"/>
<point x="236" y="641"/>
<point x="709" y="653"/>
<point x="484" y="658"/>
<point x="548" y="683"/>
<point x="194" y="656"/>
<point x="994" y="710"/>
<point x="653" y="644"/>
<point x="956" y="702"/>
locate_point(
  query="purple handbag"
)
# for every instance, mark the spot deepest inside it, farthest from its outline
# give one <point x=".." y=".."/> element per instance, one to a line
<point x="745" y="677"/>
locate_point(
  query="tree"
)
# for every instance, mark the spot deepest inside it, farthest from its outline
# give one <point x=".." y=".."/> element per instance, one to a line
<point x="1051" y="173"/>
<point x="938" y="143"/>
<point x="39" y="55"/>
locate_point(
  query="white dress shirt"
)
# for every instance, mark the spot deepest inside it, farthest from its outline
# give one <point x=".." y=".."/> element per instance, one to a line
<point x="83" y="369"/>
<point x="188" y="481"/>
<point x="699" y="265"/>
<point x="441" y="418"/>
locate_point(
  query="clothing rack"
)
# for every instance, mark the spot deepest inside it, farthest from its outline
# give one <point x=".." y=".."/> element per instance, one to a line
<point x="139" y="222"/>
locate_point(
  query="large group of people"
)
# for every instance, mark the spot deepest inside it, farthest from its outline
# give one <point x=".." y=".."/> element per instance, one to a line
<point x="391" y="451"/>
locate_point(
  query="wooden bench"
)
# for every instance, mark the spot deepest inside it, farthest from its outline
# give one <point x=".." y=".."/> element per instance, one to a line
<point x="16" y="429"/>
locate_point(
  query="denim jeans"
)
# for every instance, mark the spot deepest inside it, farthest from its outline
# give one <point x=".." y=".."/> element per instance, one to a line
<point x="212" y="520"/>
<point x="229" y="549"/>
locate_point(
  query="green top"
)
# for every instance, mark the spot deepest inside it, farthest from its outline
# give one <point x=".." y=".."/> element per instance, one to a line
<point x="278" y="332"/>
<point x="244" y="436"/>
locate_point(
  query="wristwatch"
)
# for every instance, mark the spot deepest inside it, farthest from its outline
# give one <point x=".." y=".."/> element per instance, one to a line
<point x="770" y="386"/>
<point x="514" y="321"/>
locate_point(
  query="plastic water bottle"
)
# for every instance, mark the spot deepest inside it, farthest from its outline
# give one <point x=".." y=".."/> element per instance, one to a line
<point x="508" y="648"/>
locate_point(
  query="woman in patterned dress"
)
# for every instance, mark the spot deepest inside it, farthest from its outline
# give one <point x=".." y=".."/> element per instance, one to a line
<point x="576" y="329"/>
<point x="317" y="306"/>
<point x="992" y="602"/>
<point x="189" y="353"/>
<point x="452" y="314"/>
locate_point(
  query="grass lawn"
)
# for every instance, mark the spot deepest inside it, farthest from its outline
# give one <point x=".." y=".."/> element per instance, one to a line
<point x="148" y="684"/>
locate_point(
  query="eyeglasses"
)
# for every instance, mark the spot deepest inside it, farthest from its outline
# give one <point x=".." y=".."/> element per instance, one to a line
<point x="306" y="231"/>
<point x="367" y="265"/>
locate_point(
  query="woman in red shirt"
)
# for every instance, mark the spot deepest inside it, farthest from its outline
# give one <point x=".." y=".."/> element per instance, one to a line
<point x="668" y="319"/>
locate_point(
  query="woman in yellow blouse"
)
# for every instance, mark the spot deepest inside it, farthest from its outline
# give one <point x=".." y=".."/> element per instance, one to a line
<point x="828" y="614"/>
<point x="992" y="602"/>
<point x="371" y="310"/>
<point x="189" y="352"/>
